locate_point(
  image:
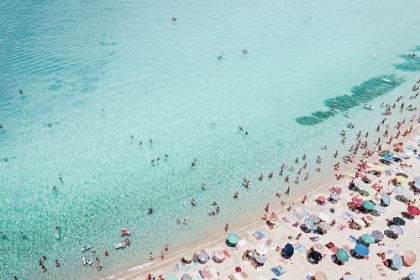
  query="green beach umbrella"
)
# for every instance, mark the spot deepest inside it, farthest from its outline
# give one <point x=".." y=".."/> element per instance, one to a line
<point x="369" y="189"/>
<point x="188" y="257"/>
<point x="398" y="221"/>
<point x="368" y="205"/>
<point x="402" y="180"/>
<point x="171" y="277"/>
<point x="233" y="238"/>
<point x="367" y="238"/>
<point x="342" y="255"/>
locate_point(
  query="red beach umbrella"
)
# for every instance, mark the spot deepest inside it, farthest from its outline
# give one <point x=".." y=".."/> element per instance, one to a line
<point x="413" y="210"/>
<point x="321" y="198"/>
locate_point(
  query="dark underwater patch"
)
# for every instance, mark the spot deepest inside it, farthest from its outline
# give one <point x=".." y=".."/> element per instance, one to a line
<point x="361" y="94"/>
<point x="411" y="64"/>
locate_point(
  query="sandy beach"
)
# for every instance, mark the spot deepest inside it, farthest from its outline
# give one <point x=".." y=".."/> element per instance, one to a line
<point x="256" y="234"/>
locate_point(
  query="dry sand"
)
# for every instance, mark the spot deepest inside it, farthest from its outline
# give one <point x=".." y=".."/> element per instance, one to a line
<point x="298" y="266"/>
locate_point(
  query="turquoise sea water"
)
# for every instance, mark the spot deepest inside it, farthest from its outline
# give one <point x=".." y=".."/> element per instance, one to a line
<point x="93" y="73"/>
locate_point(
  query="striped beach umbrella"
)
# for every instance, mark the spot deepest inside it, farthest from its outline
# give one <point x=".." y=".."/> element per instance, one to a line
<point x="318" y="247"/>
<point x="410" y="257"/>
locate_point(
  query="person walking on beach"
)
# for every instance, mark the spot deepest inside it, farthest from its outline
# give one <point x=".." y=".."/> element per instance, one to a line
<point x="304" y="199"/>
<point x="226" y="227"/>
<point x="267" y="207"/>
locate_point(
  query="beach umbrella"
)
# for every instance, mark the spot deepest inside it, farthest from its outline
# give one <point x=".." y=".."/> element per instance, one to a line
<point x="413" y="210"/>
<point x="379" y="208"/>
<point x="367" y="238"/>
<point x="369" y="219"/>
<point x="335" y="196"/>
<point x="388" y="157"/>
<point x="397" y="261"/>
<point x="203" y="257"/>
<point x="359" y="221"/>
<point x="369" y="190"/>
<point x="318" y="247"/>
<point x="401" y="179"/>
<point x="319" y="275"/>
<point x="324" y="217"/>
<point x="377" y="235"/>
<point x="349" y="277"/>
<point x="357" y="200"/>
<point x="232" y="239"/>
<point x="386" y="200"/>
<point x="410" y="257"/>
<point x="368" y="205"/>
<point x="357" y="182"/>
<point x="219" y="256"/>
<point x="396" y="229"/>
<point x="324" y="226"/>
<point x="361" y="250"/>
<point x="379" y="167"/>
<point x="188" y="257"/>
<point x="314" y="218"/>
<point x="171" y="277"/>
<point x="406" y="193"/>
<point x="186" y="277"/>
<point x="398" y="221"/>
<point x="261" y="249"/>
<point x="260" y="259"/>
<point x="413" y="276"/>
<point x="289" y="250"/>
<point x="309" y="223"/>
<point x="321" y="199"/>
<point x="342" y="255"/>
<point x="316" y="256"/>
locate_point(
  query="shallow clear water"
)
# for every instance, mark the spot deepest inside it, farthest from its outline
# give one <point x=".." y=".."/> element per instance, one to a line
<point x="159" y="79"/>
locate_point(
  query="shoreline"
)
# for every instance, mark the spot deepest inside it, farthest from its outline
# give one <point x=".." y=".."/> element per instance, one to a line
<point x="323" y="183"/>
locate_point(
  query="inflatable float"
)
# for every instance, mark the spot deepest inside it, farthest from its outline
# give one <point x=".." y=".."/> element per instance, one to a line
<point x="87" y="247"/>
<point x="369" y="107"/>
<point x="120" y="245"/>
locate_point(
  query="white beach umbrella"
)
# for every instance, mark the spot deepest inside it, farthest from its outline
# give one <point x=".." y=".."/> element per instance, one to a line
<point x="324" y="217"/>
<point x="261" y="249"/>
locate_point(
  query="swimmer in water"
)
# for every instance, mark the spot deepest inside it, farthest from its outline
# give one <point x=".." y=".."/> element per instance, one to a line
<point x="20" y="91"/>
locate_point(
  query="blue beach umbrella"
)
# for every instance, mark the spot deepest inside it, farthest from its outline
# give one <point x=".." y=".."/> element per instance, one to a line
<point x="397" y="261"/>
<point x="289" y="250"/>
<point x="361" y="250"/>
<point x="379" y="208"/>
<point x="413" y="276"/>
<point x="388" y="157"/>
<point x="378" y="235"/>
<point x="349" y="277"/>
<point x="385" y="199"/>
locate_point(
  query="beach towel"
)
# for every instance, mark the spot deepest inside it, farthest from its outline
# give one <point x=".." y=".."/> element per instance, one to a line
<point x="242" y="242"/>
<point x="341" y="227"/>
<point x="309" y="274"/>
<point x="269" y="241"/>
<point x="314" y="238"/>
<point x="213" y="271"/>
<point x="226" y="253"/>
<point x="259" y="234"/>
<point x="286" y="219"/>
<point x="348" y="215"/>
<point x="276" y="271"/>
<point x="381" y="270"/>
<point x="353" y="239"/>
<point x="332" y="247"/>
<point x="178" y="266"/>
<point x="281" y="269"/>
<point x="306" y="213"/>
<point x="296" y="224"/>
<point x="347" y="248"/>
<point x="244" y="275"/>
<point x="186" y="268"/>
<point x="197" y="276"/>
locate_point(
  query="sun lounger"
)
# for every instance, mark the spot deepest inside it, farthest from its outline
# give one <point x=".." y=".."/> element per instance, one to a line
<point x="276" y="271"/>
<point x="227" y="254"/>
<point x="381" y="270"/>
<point x="213" y="272"/>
